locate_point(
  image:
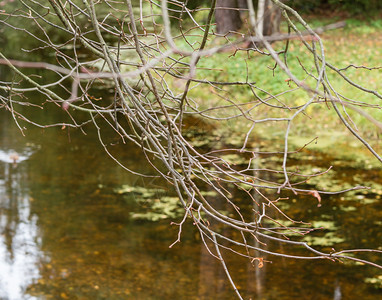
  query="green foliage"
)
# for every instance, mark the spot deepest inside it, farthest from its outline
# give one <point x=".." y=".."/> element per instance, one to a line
<point x="177" y="13"/>
<point x="368" y="7"/>
<point x="358" y="6"/>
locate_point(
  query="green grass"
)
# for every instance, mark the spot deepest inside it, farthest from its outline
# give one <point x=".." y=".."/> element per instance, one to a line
<point x="358" y="43"/>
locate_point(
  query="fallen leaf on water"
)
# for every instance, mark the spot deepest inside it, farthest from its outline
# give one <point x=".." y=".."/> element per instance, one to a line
<point x="316" y="195"/>
<point x="261" y="261"/>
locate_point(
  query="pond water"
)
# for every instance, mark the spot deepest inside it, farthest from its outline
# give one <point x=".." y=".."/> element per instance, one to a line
<point x="69" y="230"/>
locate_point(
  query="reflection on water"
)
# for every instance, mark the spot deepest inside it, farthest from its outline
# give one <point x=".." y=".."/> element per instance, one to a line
<point x="66" y="233"/>
<point x="19" y="240"/>
<point x="12" y="157"/>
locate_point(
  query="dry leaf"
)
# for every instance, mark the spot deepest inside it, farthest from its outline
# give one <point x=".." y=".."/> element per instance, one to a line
<point x="316" y="195"/>
<point x="261" y="261"/>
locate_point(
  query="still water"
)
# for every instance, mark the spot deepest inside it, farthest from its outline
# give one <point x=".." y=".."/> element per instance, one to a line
<point x="67" y="232"/>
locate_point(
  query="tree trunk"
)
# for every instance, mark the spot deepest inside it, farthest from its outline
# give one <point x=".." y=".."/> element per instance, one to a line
<point x="227" y="16"/>
<point x="242" y="4"/>
<point x="272" y="18"/>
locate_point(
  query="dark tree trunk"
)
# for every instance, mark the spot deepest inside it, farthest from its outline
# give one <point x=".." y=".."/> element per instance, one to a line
<point x="227" y="16"/>
<point x="242" y="3"/>
<point x="272" y="18"/>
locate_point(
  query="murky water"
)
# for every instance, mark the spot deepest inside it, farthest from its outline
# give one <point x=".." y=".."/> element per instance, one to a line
<point x="67" y="234"/>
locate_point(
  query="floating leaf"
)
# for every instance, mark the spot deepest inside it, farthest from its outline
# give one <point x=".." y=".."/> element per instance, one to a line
<point x="316" y="195"/>
<point x="261" y="261"/>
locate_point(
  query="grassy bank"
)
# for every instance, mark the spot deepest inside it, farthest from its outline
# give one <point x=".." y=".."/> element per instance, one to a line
<point x="359" y="44"/>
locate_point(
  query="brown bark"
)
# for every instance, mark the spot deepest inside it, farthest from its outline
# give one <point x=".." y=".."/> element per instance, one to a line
<point x="227" y="16"/>
<point x="272" y="18"/>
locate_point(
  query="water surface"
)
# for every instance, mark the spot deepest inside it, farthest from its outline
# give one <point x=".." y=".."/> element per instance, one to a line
<point x="66" y="233"/>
